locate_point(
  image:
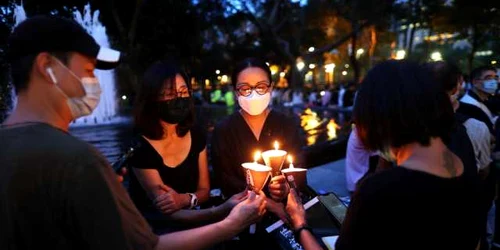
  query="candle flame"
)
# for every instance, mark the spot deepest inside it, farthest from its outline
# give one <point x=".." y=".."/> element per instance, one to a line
<point x="256" y="156"/>
<point x="276" y="145"/>
<point x="290" y="160"/>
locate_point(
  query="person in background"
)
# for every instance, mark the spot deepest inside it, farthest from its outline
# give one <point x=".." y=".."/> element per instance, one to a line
<point x="402" y="114"/>
<point x="56" y="191"/>
<point x="229" y="96"/>
<point x="450" y="78"/>
<point x="216" y="96"/>
<point x="484" y="84"/>
<point x="357" y="163"/>
<point x="254" y="127"/>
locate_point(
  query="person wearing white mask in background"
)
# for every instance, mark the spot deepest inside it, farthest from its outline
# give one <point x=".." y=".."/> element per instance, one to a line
<point x="254" y="127"/>
<point x="56" y="191"/>
<point x="484" y="84"/>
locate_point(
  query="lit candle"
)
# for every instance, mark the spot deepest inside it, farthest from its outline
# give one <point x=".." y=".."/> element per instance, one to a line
<point x="274" y="158"/>
<point x="256" y="156"/>
<point x="290" y="160"/>
<point x="257" y="174"/>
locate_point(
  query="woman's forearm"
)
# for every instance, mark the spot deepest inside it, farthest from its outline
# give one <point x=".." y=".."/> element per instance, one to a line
<point x="201" y="216"/>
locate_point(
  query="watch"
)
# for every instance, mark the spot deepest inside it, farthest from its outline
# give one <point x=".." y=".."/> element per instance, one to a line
<point x="194" y="200"/>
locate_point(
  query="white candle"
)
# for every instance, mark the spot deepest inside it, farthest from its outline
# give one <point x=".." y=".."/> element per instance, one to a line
<point x="274" y="158"/>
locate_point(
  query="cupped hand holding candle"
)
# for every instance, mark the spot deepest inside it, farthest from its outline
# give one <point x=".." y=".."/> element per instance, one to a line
<point x="257" y="174"/>
<point x="299" y="175"/>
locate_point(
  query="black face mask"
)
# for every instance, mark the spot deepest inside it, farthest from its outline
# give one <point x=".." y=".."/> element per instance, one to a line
<point x="174" y="111"/>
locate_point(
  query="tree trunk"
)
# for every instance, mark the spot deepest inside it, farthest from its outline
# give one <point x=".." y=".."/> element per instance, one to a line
<point x="353" y="59"/>
<point x="410" y="39"/>
<point x="470" y="57"/>
<point x="373" y="44"/>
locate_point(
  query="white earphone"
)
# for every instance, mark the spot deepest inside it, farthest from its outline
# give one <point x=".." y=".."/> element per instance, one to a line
<point x="51" y="74"/>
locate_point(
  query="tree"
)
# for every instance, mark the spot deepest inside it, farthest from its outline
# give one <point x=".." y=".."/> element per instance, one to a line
<point x="282" y="25"/>
<point x="478" y="22"/>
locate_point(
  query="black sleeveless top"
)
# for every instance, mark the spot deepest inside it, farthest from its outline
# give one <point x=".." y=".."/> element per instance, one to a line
<point x="183" y="178"/>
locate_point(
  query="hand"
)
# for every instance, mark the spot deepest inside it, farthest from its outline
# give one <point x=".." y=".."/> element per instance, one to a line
<point x="278" y="188"/>
<point x="170" y="201"/>
<point x="120" y="174"/>
<point x="235" y="200"/>
<point x="296" y="210"/>
<point x="247" y="212"/>
<point x="278" y="209"/>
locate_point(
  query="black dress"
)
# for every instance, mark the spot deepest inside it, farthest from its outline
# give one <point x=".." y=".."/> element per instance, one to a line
<point x="407" y="209"/>
<point x="183" y="178"/>
<point x="233" y="143"/>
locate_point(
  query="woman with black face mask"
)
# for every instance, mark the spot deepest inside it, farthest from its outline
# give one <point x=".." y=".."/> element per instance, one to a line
<point x="170" y="173"/>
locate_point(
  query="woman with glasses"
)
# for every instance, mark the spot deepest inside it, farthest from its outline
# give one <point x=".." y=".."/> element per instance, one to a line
<point x="170" y="170"/>
<point x="254" y="127"/>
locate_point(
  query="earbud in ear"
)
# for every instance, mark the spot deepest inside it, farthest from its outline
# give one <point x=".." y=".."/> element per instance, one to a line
<point x="51" y="74"/>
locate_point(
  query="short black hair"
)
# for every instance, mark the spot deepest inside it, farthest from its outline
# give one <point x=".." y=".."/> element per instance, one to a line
<point x="477" y="72"/>
<point x="20" y="69"/>
<point x="398" y="103"/>
<point x="445" y="73"/>
<point x="146" y="113"/>
<point x="249" y="63"/>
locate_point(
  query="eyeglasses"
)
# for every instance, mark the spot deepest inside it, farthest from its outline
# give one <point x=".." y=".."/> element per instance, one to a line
<point x="169" y="95"/>
<point x="245" y="90"/>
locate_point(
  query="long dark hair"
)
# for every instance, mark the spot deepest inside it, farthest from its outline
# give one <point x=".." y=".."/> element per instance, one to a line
<point x="146" y="112"/>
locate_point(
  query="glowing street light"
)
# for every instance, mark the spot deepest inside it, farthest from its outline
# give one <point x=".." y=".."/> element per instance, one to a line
<point x="224" y="79"/>
<point x="312" y="66"/>
<point x="346" y="66"/>
<point x="217" y="71"/>
<point x="124" y="97"/>
<point x="344" y="73"/>
<point x="400" y="54"/>
<point x="300" y="65"/>
<point x="311" y="49"/>
<point x="436" y="56"/>
<point x="493" y="62"/>
<point x="274" y="69"/>
<point x="329" y="67"/>
<point x="359" y="52"/>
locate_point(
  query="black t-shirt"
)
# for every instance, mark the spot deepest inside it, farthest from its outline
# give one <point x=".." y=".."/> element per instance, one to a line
<point x="57" y="192"/>
<point x="234" y="143"/>
<point x="183" y="178"/>
<point x="406" y="209"/>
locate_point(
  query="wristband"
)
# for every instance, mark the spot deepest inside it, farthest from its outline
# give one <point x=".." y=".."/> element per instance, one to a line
<point x="298" y="230"/>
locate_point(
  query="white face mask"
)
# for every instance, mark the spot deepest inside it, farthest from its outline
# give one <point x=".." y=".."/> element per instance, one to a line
<point x="81" y="106"/>
<point x="254" y="104"/>
<point x="490" y="86"/>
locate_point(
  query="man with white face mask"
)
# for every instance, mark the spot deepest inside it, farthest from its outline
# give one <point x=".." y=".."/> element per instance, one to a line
<point x="484" y="84"/>
<point x="56" y="191"/>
